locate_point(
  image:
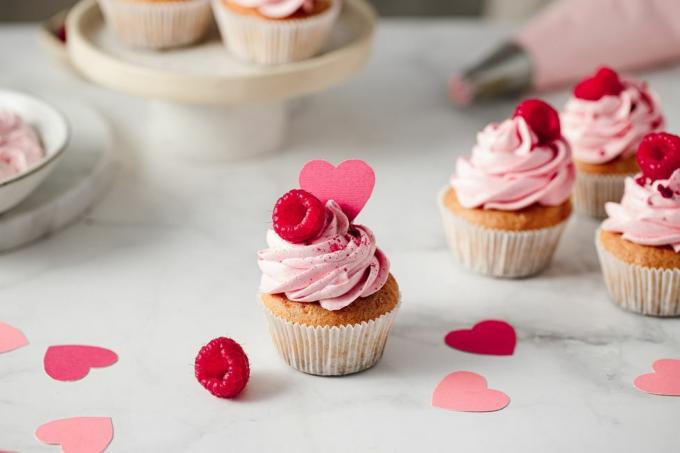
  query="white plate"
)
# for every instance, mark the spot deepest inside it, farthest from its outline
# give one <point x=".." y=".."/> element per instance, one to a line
<point x="206" y="73"/>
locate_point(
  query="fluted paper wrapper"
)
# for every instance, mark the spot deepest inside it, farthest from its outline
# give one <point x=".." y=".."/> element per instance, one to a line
<point x="158" y="25"/>
<point x="499" y="253"/>
<point x="267" y="42"/>
<point x="331" y="351"/>
<point x="645" y="290"/>
<point x="591" y="192"/>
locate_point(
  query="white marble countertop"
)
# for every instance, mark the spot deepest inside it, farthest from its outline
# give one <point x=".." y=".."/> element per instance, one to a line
<point x="167" y="261"/>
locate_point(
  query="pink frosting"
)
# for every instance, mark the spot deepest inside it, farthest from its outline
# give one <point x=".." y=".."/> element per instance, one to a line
<point x="612" y="126"/>
<point x="278" y="9"/>
<point x="342" y="264"/>
<point x="509" y="170"/>
<point x="20" y="146"/>
<point x="648" y="214"/>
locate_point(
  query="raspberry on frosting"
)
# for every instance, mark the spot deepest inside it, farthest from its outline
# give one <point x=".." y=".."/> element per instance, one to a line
<point x="605" y="82"/>
<point x="543" y="120"/>
<point x="659" y="155"/>
<point x="298" y="216"/>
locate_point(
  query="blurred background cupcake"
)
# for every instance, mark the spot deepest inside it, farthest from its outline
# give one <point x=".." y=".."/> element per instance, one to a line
<point x="639" y="244"/>
<point x="158" y="24"/>
<point x="275" y="31"/>
<point x="507" y="204"/>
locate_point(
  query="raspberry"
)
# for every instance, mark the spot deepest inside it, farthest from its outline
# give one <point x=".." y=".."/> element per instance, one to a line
<point x="222" y="367"/>
<point x="541" y="118"/>
<point x="659" y="155"/>
<point x="605" y="82"/>
<point x="298" y="216"/>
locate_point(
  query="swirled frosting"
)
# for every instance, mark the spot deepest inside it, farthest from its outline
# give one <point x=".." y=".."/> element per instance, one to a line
<point x="612" y="126"/>
<point x="509" y="170"/>
<point x="342" y="264"/>
<point x="649" y="212"/>
<point x="20" y="146"/>
<point x="278" y="9"/>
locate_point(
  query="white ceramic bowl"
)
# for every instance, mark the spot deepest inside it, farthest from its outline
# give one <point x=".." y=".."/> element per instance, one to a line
<point x="53" y="130"/>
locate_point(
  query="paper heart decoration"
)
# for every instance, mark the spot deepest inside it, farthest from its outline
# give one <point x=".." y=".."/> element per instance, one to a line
<point x="73" y="362"/>
<point x="467" y="392"/>
<point x="11" y="338"/>
<point x="486" y="337"/>
<point x="350" y="184"/>
<point x="77" y="434"/>
<point x="664" y="381"/>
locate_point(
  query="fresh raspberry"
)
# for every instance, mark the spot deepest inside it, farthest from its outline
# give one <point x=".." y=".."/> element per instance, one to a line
<point x="659" y="155"/>
<point x="298" y="216"/>
<point x="605" y="82"/>
<point x="222" y="367"/>
<point x="541" y="118"/>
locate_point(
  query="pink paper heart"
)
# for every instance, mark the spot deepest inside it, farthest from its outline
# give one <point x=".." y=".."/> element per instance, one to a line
<point x="73" y="362"/>
<point x="486" y="337"/>
<point x="11" y="338"/>
<point x="467" y="392"/>
<point x="664" y="381"/>
<point x="350" y="184"/>
<point x="77" y="434"/>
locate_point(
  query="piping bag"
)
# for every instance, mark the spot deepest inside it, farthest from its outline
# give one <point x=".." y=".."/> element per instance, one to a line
<point x="568" y="40"/>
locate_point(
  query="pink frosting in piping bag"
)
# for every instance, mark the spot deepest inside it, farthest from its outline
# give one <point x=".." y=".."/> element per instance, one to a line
<point x="509" y="170"/>
<point x="612" y="126"/>
<point x="341" y="265"/>
<point x="648" y="214"/>
<point x="277" y="9"/>
<point x="20" y="146"/>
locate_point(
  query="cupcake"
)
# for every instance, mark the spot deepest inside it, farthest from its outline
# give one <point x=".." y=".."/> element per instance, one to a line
<point x="158" y="24"/>
<point x="604" y="121"/>
<point x="271" y="32"/>
<point x="507" y="203"/>
<point x="639" y="243"/>
<point x="326" y="287"/>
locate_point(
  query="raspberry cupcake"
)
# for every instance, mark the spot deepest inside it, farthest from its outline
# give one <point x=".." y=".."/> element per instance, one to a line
<point x="604" y="121"/>
<point x="271" y="32"/>
<point x="507" y="203"/>
<point x="326" y="287"/>
<point x="158" y="24"/>
<point x="639" y="243"/>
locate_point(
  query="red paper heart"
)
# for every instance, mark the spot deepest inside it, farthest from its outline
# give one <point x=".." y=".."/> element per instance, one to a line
<point x="11" y="338"/>
<point x="486" y="337"/>
<point x="73" y="362"/>
<point x="467" y="392"/>
<point x="350" y="184"/>
<point x="77" y="434"/>
<point x="664" y="381"/>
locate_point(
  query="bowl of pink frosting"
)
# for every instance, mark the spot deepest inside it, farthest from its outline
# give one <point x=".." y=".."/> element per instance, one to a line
<point x="33" y="137"/>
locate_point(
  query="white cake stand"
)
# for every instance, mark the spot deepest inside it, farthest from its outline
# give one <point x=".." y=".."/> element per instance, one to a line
<point x="206" y="104"/>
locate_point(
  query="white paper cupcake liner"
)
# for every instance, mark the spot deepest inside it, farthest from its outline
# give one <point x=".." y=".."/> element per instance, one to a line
<point x="331" y="351"/>
<point x="499" y="253"/>
<point x="267" y="42"/>
<point x="591" y="192"/>
<point x="157" y="25"/>
<point x="645" y="290"/>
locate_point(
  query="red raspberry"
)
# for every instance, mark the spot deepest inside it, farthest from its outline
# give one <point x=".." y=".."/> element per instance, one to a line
<point x="659" y="155"/>
<point x="605" y="82"/>
<point x="222" y="367"/>
<point x="541" y="118"/>
<point x="298" y="216"/>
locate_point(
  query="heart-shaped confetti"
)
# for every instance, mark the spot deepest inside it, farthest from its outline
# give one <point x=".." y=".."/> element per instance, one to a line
<point x="73" y="362"/>
<point x="350" y="184"/>
<point x="77" y="434"/>
<point x="489" y="337"/>
<point x="665" y="380"/>
<point x="11" y="338"/>
<point x="466" y="391"/>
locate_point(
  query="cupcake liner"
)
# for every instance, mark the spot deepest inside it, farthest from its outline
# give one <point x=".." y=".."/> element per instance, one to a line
<point x="157" y="25"/>
<point x="331" y="351"/>
<point x="268" y="42"/>
<point x="645" y="290"/>
<point x="592" y="191"/>
<point x="499" y="253"/>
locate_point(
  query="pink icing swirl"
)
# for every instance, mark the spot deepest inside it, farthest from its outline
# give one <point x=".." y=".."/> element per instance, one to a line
<point x="278" y="9"/>
<point x="509" y="170"/>
<point x="20" y="146"/>
<point x="648" y="214"/>
<point x="342" y="264"/>
<point x="612" y="126"/>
